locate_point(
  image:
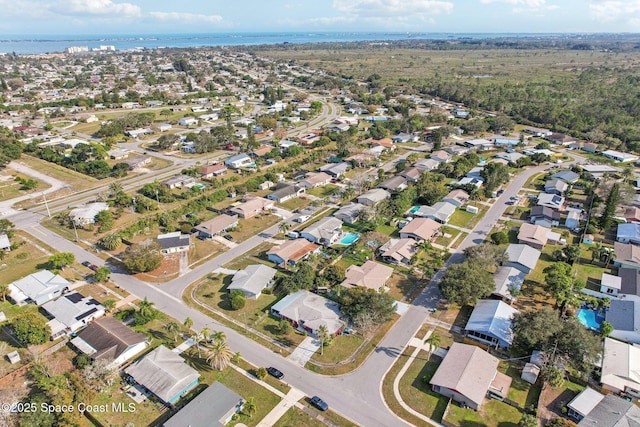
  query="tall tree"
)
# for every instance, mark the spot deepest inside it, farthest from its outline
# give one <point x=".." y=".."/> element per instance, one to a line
<point x="219" y="355"/>
<point x="610" y="205"/>
<point x="173" y="328"/>
<point x="465" y="283"/>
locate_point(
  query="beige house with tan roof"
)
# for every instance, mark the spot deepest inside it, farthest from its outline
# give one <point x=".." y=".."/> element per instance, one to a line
<point x="292" y="251"/>
<point x="533" y="235"/>
<point x="371" y="275"/>
<point x="420" y="229"/>
<point x="252" y="207"/>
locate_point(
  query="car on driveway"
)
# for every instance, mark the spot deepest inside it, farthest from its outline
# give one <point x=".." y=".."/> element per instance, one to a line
<point x="86" y="263"/>
<point x="93" y="267"/>
<point x="228" y="237"/>
<point x="275" y="372"/>
<point x="319" y="403"/>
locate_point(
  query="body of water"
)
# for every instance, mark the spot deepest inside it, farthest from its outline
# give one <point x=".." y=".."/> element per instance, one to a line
<point x="24" y="44"/>
<point x="590" y="318"/>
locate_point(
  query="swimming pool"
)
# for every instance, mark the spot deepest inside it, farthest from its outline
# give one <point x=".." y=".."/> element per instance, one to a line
<point x="590" y="318"/>
<point x="349" y="238"/>
<point x="414" y="209"/>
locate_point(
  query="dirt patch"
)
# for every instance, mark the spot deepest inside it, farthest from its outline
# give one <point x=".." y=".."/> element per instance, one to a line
<point x="169" y="269"/>
<point x="551" y="402"/>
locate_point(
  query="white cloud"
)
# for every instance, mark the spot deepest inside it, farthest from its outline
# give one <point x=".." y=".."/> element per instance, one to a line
<point x="185" y="17"/>
<point x="392" y="8"/>
<point x="616" y="10"/>
<point x="526" y="3"/>
<point x="104" y="8"/>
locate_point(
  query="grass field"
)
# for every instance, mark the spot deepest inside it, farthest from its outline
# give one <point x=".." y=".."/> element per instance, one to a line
<point x="10" y="188"/>
<point x="30" y="256"/>
<point x="416" y="391"/>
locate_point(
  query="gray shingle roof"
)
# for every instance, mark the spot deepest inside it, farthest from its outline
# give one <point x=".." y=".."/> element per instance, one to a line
<point x="621" y="315"/>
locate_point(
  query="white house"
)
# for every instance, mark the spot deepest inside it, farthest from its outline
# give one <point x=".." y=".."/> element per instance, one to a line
<point x="188" y="121"/>
<point x="239" y="161"/>
<point x="71" y="312"/>
<point x="87" y="214"/>
<point x="38" y="288"/>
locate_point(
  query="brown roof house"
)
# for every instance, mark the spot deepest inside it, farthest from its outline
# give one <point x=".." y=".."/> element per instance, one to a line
<point x="110" y="339"/>
<point x="371" y="275"/>
<point x="209" y="171"/>
<point x="626" y="255"/>
<point x="252" y="207"/>
<point x="216" y="226"/>
<point x="468" y="374"/>
<point x="292" y="251"/>
<point x="420" y="229"/>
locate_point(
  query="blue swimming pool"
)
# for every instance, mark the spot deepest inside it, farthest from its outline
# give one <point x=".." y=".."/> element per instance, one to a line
<point x="349" y="238"/>
<point x="414" y="209"/>
<point x="590" y="318"/>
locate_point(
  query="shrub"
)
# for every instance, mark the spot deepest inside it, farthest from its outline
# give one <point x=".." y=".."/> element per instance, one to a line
<point x="261" y="373"/>
<point x="81" y="361"/>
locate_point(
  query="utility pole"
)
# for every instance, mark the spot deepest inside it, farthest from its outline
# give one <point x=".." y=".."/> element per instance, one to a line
<point x="75" y="229"/>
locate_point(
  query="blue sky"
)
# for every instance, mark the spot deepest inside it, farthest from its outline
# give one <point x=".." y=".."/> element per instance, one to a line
<point x="206" y="16"/>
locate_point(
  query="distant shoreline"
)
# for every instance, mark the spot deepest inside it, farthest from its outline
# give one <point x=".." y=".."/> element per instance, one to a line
<point x="42" y="44"/>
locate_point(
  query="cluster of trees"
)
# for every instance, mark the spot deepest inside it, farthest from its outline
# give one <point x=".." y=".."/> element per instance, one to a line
<point x="30" y="328"/>
<point x="562" y="340"/>
<point x="366" y="307"/>
<point x="494" y="174"/>
<point x="142" y="257"/>
<point x="465" y="283"/>
<point x="305" y="276"/>
<point x="10" y="147"/>
<point x="84" y="158"/>
<point x="118" y="126"/>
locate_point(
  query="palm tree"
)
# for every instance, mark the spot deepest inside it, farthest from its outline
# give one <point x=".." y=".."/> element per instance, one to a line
<point x="250" y="406"/>
<point x="218" y="336"/>
<point x="284" y="227"/>
<point x="145" y="307"/>
<point x="433" y="341"/>
<point x="205" y="333"/>
<point x="323" y="336"/>
<point x="109" y="304"/>
<point x="596" y="252"/>
<point x="196" y="337"/>
<point x="188" y="323"/>
<point x="115" y="187"/>
<point x="173" y="328"/>
<point x="4" y="291"/>
<point x="219" y="355"/>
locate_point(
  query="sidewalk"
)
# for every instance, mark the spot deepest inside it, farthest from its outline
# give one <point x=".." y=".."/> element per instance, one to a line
<point x="288" y="401"/>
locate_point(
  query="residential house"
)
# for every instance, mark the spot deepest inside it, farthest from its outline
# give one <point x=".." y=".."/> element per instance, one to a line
<point x="456" y="150"/>
<point x="619" y="156"/>
<point x="621" y="368"/>
<point x="38" y="288"/>
<point x="350" y="213"/>
<point x="111" y="340"/>
<point x="292" y="251"/>
<point x="420" y="229"/>
<point x="544" y="216"/>
<point x="262" y="151"/>
<point x="476" y="181"/>
<point x="569" y="177"/>
<point x="210" y="171"/>
<point x="386" y="144"/>
<point x="87" y="214"/>
<point x="286" y="144"/>
<point x="214" y="407"/>
<point x="624" y="315"/>
<point x="628" y="233"/>
<point x="5" y="244"/>
<point x="399" y="251"/>
<point x="535" y="236"/>
<point x="405" y="137"/>
<point x="371" y="275"/>
<point x="591" y="408"/>
<point x="440" y="211"/>
<point x="71" y="312"/>
<point x="239" y="161"/>
<point x="426" y="165"/>
<point x="394" y="184"/>
<point x="480" y="144"/>
<point x="188" y="121"/>
<point x="411" y="174"/>
<point x="552" y="201"/>
<point x="468" y="374"/>
<point x="314" y="180"/>
<point x="561" y="139"/>
<point x="555" y="186"/>
<point x="285" y="191"/>
<point x="324" y="232"/>
<point x="165" y="374"/>
<point x="252" y="206"/>
<point x="458" y="198"/>
<point x="626" y="255"/>
<point x="216" y="226"/>
<point x="373" y="197"/>
<point x="179" y="181"/>
<point x="598" y="171"/>
<point x="307" y="312"/>
<point x="137" y="162"/>
<point x="573" y="218"/>
<point x="174" y="242"/>
<point x="508" y="142"/>
<point x="630" y="278"/>
<point x="632" y="214"/>
<point x="336" y="170"/>
<point x="253" y="280"/>
<point x="508" y="279"/>
<point x="538" y="132"/>
<point x="118" y="154"/>
<point x="137" y="133"/>
<point x="440" y="156"/>
<point x="522" y="257"/>
<point x="589" y="147"/>
<point x="512" y="157"/>
<point x="490" y="323"/>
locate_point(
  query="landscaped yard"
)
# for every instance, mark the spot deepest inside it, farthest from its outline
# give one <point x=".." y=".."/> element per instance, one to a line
<point x="342" y="348"/>
<point x="252" y="226"/>
<point x="10" y="188"/>
<point x="324" y="191"/>
<point x="296" y="203"/>
<point x="403" y="286"/>
<point x="521" y="392"/>
<point x="30" y="256"/>
<point x="295" y="417"/>
<point x="416" y="391"/>
<point x="448" y="235"/>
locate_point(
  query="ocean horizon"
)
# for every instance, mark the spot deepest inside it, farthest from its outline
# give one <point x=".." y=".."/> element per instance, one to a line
<point x="41" y="44"/>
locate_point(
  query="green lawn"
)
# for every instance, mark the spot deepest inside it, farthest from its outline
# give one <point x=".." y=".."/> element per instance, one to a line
<point x="252" y="226"/>
<point x="296" y="203"/>
<point x="416" y="391"/>
<point x="461" y="218"/>
<point x="521" y="392"/>
<point x="342" y="348"/>
<point x="295" y="417"/>
<point x="449" y="235"/>
<point x="10" y="188"/>
<point x="30" y="256"/>
<point x="324" y="191"/>
<point x="492" y="413"/>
